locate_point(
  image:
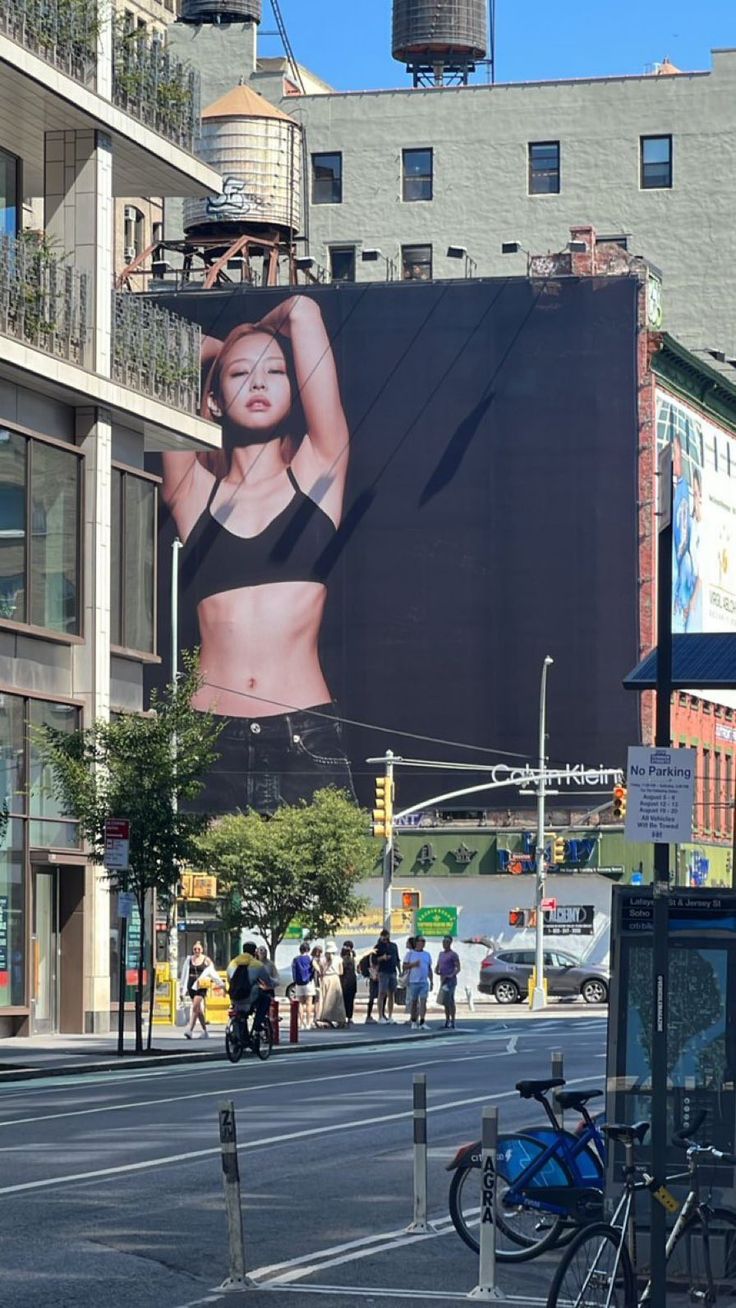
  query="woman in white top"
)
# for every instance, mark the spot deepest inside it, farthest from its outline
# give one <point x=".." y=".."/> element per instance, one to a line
<point x="331" y="1003"/>
<point x="197" y="975"/>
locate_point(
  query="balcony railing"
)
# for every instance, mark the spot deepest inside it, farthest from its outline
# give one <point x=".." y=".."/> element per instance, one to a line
<point x="43" y="300"/>
<point x="153" y="86"/>
<point x="63" y="32"/>
<point x="155" y="351"/>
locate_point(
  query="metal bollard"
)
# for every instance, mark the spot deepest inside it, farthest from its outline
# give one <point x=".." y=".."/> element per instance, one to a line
<point x="486" y="1289"/>
<point x="294" y="1022"/>
<point x="420" y="1153"/>
<point x="231" y="1183"/>
<point x="558" y="1072"/>
<point x="273" y="1013"/>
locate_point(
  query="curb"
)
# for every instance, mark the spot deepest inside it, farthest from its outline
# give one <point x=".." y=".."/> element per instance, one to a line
<point x="126" y="1063"/>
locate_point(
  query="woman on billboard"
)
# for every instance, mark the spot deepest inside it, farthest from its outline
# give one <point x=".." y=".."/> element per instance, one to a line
<point x="256" y="520"/>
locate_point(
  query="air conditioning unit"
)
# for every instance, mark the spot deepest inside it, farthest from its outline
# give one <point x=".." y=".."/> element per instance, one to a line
<point x="131" y="213"/>
<point x="129" y="253"/>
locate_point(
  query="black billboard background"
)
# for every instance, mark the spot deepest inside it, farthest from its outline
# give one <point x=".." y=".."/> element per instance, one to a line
<point x="490" y="519"/>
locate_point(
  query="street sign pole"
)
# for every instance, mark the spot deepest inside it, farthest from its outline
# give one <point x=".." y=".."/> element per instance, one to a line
<point x="538" y="996"/>
<point x="388" y="847"/>
<point x="123" y="938"/>
<point x="661" y="892"/>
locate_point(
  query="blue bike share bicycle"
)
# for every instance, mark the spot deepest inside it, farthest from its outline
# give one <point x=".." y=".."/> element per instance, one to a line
<point x="549" y="1181"/>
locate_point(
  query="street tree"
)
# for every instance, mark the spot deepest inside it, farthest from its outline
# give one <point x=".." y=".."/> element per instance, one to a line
<point x="305" y="862"/>
<point x="147" y="768"/>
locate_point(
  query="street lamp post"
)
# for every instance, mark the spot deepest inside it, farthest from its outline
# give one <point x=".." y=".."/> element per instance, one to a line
<point x="538" y="995"/>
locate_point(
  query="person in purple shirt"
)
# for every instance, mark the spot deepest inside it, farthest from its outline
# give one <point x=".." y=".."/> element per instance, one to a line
<point x="448" y="966"/>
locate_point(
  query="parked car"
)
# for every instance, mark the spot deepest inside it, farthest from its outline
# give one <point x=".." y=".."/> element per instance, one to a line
<point x="505" y="975"/>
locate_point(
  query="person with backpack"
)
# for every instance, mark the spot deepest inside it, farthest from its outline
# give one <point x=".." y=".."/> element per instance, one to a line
<point x="302" y="972"/>
<point x="369" y="971"/>
<point x="249" y="984"/>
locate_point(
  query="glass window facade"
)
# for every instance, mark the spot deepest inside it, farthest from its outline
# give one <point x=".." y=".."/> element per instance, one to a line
<point x="416" y="180"/>
<point x="12" y="916"/>
<point x="326" y="179"/>
<point x="656" y="163"/>
<point x="9" y="193"/>
<point x="39" y="533"/>
<point x="416" y="263"/>
<point x="342" y="263"/>
<point x="544" y="167"/>
<point x="35" y="821"/>
<point x="133" y="562"/>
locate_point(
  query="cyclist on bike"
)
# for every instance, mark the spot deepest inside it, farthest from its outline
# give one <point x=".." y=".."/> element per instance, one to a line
<point x="249" y="984"/>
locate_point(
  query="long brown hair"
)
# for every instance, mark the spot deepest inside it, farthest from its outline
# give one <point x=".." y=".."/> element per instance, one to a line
<point x="293" y="428"/>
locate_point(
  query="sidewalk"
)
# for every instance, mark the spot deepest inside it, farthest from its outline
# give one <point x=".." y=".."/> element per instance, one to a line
<point x="69" y="1055"/>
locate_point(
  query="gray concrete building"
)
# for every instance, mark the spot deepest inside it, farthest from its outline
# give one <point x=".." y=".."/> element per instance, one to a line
<point x="648" y="160"/>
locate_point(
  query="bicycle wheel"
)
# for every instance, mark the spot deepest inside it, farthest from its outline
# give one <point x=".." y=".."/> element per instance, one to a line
<point x="233" y="1043"/>
<point x="521" y="1232"/>
<point x="263" y="1040"/>
<point x="689" y="1264"/>
<point x="594" y="1272"/>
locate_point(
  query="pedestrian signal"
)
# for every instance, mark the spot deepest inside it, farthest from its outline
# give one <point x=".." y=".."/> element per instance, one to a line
<point x="383" y="813"/>
<point x="619" y="803"/>
<point x="411" y="900"/>
<point x="517" y="917"/>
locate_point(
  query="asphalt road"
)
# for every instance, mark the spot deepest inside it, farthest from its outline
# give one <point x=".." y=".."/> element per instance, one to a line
<point x="111" y="1184"/>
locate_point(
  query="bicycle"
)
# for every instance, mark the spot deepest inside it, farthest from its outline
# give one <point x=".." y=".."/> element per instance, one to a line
<point x="241" y="1034"/>
<point x="598" y="1269"/>
<point x="549" y="1181"/>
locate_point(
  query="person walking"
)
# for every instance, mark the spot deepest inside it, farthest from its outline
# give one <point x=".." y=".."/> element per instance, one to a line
<point x="348" y="979"/>
<point x="197" y="976"/>
<point x="302" y="972"/>
<point x="419" y="982"/>
<point x="331" y="1010"/>
<point x="369" y="971"/>
<point x="448" y="967"/>
<point x="386" y="957"/>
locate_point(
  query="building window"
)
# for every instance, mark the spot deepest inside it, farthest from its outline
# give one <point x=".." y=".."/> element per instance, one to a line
<point x="707" y="818"/>
<point x="342" y="263"/>
<point x="416" y="177"/>
<point x="39" y="533"/>
<point x="50" y="827"/>
<point x="326" y="179"/>
<point x="132" y="562"/>
<point x="416" y="263"/>
<point x="134" y="233"/>
<point x="656" y="163"/>
<point x="544" y="167"/>
<point x="9" y="194"/>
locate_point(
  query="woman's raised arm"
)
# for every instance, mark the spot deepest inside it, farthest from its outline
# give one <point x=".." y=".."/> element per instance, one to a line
<point x="299" y="318"/>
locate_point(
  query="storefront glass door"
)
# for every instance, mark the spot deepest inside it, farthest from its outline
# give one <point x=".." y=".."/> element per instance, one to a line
<point x="45" y="951"/>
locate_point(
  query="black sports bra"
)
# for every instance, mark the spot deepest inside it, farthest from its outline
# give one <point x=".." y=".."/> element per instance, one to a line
<point x="290" y="548"/>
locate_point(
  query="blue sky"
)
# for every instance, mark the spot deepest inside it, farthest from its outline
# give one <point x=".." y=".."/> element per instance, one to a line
<point x="348" y="42"/>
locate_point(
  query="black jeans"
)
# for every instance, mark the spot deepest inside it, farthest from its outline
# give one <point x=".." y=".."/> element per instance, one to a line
<point x="266" y="762"/>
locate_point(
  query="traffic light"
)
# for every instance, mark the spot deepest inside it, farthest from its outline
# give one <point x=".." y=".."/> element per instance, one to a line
<point x="397" y="858"/>
<point x="559" y="849"/>
<point x="517" y="917"/>
<point x="383" y="813"/>
<point x="619" y="803"/>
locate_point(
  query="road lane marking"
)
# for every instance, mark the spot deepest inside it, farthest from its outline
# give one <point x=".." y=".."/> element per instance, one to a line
<point x="236" y="1090"/>
<point x="251" y="1145"/>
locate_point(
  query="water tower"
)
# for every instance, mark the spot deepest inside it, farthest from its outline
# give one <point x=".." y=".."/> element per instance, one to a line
<point x="441" y="41"/>
<point x="257" y="149"/>
<point x="220" y="11"/>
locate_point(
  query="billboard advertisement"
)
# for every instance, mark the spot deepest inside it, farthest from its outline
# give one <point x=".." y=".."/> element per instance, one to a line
<point x="423" y="490"/>
<point x="704" y="517"/>
<point x="703" y="520"/>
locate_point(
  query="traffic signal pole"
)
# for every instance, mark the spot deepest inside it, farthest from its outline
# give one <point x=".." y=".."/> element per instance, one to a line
<point x="538" y="997"/>
<point x="383" y="825"/>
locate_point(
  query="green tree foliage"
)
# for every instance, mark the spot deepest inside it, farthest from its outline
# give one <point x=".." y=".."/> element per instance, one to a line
<point x="143" y="768"/>
<point x="305" y="862"/>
